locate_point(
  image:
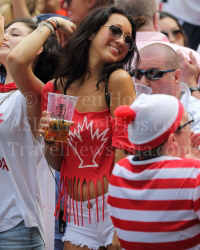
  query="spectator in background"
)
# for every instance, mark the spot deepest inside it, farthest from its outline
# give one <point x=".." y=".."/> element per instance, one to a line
<point x="188" y="14"/>
<point x="170" y="27"/>
<point x="53" y="6"/>
<point x="14" y="9"/>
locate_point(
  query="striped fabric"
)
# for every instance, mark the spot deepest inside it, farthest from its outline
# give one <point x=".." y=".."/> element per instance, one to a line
<point x="155" y="204"/>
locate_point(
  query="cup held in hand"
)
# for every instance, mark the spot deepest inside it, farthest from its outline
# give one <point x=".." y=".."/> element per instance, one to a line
<point x="61" y="109"/>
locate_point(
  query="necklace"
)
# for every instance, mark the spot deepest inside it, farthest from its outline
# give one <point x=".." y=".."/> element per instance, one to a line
<point x="2" y="101"/>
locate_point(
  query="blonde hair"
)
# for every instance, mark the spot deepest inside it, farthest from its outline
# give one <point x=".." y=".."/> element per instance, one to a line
<point x="6" y="9"/>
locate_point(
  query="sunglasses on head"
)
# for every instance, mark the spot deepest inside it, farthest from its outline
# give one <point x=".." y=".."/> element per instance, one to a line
<point x="175" y="33"/>
<point x="115" y="33"/>
<point x="151" y="74"/>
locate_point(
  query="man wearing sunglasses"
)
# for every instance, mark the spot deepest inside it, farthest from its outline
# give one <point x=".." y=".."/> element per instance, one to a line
<point x="159" y="69"/>
<point x="149" y="33"/>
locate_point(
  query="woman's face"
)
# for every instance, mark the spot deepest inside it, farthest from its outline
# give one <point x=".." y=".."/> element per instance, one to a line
<point x="13" y="35"/>
<point x="78" y="9"/>
<point x="106" y="49"/>
<point x="170" y="28"/>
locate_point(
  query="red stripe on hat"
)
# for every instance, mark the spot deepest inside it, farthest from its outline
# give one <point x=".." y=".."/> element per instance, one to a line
<point x="163" y="137"/>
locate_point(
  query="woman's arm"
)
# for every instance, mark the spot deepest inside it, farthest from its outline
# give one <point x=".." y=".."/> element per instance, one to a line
<point x="122" y="92"/>
<point x="20" y="60"/>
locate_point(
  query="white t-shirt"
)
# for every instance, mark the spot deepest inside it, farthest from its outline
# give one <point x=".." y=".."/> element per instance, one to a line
<point x="186" y="10"/>
<point x="20" y="154"/>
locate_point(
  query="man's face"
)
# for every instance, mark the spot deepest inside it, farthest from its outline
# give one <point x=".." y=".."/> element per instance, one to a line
<point x="166" y="84"/>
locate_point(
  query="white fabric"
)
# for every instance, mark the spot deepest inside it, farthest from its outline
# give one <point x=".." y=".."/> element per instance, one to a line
<point x="155" y="114"/>
<point x="192" y="105"/>
<point x="186" y="10"/>
<point x="198" y="49"/>
<point x="92" y="235"/>
<point x="20" y="192"/>
<point x="47" y="183"/>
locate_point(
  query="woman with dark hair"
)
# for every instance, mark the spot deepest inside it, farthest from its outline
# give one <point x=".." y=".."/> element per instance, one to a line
<point x="21" y="211"/>
<point x="170" y="27"/>
<point x="92" y="68"/>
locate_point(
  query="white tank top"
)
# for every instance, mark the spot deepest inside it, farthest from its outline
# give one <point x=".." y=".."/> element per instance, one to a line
<point x="20" y="153"/>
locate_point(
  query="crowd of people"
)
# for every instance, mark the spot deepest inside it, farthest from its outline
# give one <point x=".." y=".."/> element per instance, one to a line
<point x="128" y="176"/>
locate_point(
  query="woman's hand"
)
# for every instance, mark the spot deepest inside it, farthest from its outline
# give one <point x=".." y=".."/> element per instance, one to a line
<point x="1" y="29"/>
<point x="64" y="30"/>
<point x="44" y="122"/>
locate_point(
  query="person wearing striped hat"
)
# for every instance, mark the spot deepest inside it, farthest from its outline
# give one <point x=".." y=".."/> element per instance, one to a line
<point x="154" y="196"/>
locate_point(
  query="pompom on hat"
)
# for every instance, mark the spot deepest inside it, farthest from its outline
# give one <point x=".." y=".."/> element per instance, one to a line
<point x="151" y="119"/>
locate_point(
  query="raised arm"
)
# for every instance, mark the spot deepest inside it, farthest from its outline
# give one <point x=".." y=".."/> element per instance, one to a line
<point x="20" y="62"/>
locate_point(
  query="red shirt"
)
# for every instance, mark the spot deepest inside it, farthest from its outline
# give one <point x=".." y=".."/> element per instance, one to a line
<point x="90" y="150"/>
<point x="155" y="204"/>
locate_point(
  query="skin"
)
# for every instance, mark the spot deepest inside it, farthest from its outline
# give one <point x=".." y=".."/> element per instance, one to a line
<point x="170" y="82"/>
<point x="179" y="143"/>
<point x="168" y="25"/>
<point x="78" y="9"/>
<point x="49" y="6"/>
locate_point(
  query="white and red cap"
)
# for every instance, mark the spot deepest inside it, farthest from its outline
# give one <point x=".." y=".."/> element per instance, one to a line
<point x="151" y="119"/>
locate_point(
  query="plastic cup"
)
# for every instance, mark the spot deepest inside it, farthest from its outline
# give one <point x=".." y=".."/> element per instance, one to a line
<point x="142" y="89"/>
<point x="61" y="109"/>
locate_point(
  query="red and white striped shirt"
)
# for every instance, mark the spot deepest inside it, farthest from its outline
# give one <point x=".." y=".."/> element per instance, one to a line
<point x="155" y="204"/>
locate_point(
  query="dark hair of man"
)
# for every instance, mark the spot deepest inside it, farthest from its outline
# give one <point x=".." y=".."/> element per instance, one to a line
<point x="75" y="59"/>
<point x="44" y="66"/>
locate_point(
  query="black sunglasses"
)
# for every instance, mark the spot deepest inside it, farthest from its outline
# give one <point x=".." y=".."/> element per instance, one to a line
<point x="151" y="74"/>
<point x="187" y="123"/>
<point x="175" y="33"/>
<point x="115" y="33"/>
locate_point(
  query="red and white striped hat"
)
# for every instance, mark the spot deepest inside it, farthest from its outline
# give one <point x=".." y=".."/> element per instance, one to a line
<point x="151" y="119"/>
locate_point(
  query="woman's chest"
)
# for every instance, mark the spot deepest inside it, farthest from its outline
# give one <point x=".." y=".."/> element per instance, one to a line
<point x="90" y="99"/>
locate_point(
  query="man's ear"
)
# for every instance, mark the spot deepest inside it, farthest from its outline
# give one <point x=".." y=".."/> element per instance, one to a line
<point x="177" y="75"/>
<point x="172" y="142"/>
<point x="156" y="21"/>
<point x="40" y="50"/>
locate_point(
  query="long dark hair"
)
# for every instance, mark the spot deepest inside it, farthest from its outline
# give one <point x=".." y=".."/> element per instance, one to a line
<point x="44" y="66"/>
<point x="75" y="59"/>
